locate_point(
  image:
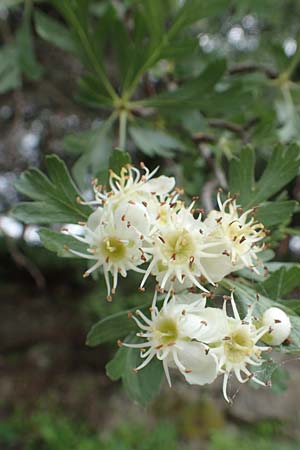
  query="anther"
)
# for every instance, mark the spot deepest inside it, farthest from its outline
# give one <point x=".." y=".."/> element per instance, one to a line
<point x="120" y="343"/>
<point x="129" y="314"/>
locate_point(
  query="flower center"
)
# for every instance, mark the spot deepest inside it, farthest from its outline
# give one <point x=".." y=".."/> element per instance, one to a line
<point x="113" y="248"/>
<point x="178" y="246"/>
<point x="239" y="346"/>
<point x="165" y="330"/>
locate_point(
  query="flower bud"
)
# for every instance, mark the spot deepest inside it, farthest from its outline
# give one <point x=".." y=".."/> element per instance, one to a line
<point x="279" y="326"/>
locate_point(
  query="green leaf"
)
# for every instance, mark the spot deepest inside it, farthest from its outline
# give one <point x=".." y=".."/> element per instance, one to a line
<point x="118" y="160"/>
<point x="281" y="282"/>
<point x="241" y="175"/>
<point x="94" y="146"/>
<point x="282" y="167"/>
<point x="274" y="213"/>
<point x="54" y="32"/>
<point x="155" y="142"/>
<point x="57" y="242"/>
<point x="191" y="94"/>
<point x="10" y="73"/>
<point x="142" y="386"/>
<point x="111" y="328"/>
<point x="246" y="296"/>
<point x="27" y="59"/>
<point x="54" y="197"/>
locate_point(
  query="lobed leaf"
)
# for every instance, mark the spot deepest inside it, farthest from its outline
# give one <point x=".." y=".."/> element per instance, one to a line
<point x="54" y="197"/>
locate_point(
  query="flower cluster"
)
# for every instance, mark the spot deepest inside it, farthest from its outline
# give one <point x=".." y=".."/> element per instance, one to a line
<point x="204" y="342"/>
<point x="141" y="224"/>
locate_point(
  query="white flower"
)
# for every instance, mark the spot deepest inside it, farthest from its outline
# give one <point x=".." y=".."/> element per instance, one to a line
<point x="133" y="186"/>
<point x="238" y="347"/>
<point x="177" y="248"/>
<point x="173" y="335"/>
<point x="279" y="326"/>
<point x="238" y="238"/>
<point x="114" y="241"/>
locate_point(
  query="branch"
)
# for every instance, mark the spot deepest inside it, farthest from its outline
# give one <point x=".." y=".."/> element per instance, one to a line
<point x="245" y="68"/>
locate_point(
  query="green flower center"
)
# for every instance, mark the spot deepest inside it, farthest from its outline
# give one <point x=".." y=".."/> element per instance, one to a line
<point x="239" y="346"/>
<point x="113" y="248"/>
<point x="178" y="246"/>
<point x="166" y="330"/>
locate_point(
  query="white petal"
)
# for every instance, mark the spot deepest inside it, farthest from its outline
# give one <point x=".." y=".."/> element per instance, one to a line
<point x="203" y="365"/>
<point x="161" y="185"/>
<point x="213" y="325"/>
<point x="95" y="219"/>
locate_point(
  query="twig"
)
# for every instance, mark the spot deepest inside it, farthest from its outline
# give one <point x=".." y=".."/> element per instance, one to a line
<point x="245" y="68"/>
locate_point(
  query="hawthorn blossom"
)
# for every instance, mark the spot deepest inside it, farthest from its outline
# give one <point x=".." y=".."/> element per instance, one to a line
<point x="113" y="243"/>
<point x="174" y="335"/>
<point x="238" y="239"/>
<point x="279" y="326"/>
<point x="134" y="187"/>
<point x="177" y="248"/>
<point x="238" y="348"/>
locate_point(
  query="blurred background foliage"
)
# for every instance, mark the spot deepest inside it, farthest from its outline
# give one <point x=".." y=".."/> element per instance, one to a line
<point x="180" y="84"/>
